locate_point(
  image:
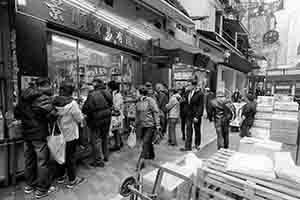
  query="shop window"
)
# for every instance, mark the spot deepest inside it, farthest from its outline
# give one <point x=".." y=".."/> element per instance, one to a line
<point x="80" y="61"/>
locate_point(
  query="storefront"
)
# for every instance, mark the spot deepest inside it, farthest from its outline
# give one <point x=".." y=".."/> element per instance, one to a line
<point x="75" y="44"/>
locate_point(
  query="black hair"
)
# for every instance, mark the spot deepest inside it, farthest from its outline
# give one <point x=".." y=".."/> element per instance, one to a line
<point x="250" y="97"/>
<point x="66" y="89"/>
<point x="143" y="91"/>
<point x="114" y="86"/>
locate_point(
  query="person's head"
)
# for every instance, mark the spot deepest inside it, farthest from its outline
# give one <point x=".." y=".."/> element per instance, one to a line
<point x="250" y="97"/>
<point x="98" y="83"/>
<point x="236" y="90"/>
<point x="159" y="87"/>
<point x="194" y="83"/>
<point x="113" y="86"/>
<point x="149" y="87"/>
<point x="44" y="85"/>
<point x="143" y="91"/>
<point x="66" y="89"/>
<point x="182" y="91"/>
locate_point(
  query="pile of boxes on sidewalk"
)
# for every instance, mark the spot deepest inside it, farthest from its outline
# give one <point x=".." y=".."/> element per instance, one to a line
<point x="277" y="120"/>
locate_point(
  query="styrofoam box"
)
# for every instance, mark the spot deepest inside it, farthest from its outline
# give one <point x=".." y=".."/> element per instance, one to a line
<point x="293" y="106"/>
<point x="264" y="108"/>
<point x="263" y="115"/>
<point x="284" y="137"/>
<point x="265" y="99"/>
<point x="284" y="123"/>
<point x="290" y="148"/>
<point x="259" y="146"/>
<point x="285" y="114"/>
<point x="262" y="123"/>
<point x="261" y="133"/>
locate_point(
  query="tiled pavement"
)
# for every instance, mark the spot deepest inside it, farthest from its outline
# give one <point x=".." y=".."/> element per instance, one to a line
<point x="103" y="183"/>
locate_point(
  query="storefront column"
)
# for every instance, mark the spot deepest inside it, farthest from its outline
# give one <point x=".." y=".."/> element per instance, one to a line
<point x="234" y="83"/>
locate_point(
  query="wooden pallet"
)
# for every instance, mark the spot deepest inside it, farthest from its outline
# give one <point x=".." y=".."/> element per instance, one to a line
<point x="214" y="182"/>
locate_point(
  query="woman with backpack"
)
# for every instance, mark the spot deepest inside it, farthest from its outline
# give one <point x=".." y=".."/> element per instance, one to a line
<point x="147" y="118"/>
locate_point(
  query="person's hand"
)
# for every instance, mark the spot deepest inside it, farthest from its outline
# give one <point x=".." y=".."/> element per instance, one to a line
<point x="196" y="120"/>
<point x="158" y="136"/>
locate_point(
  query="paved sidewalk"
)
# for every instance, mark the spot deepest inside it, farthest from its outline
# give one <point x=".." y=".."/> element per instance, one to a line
<point x="103" y="183"/>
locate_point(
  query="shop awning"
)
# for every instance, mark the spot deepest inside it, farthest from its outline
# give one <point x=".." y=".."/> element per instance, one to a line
<point x="239" y="63"/>
<point x="171" y="11"/>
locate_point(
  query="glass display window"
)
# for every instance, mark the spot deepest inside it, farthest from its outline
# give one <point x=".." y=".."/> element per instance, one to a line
<point x="81" y="61"/>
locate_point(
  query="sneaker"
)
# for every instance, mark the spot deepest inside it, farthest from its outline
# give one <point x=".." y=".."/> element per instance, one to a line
<point x="28" y="189"/>
<point x="61" y="180"/>
<point x="40" y="194"/>
<point x="76" y="182"/>
<point x="98" y="164"/>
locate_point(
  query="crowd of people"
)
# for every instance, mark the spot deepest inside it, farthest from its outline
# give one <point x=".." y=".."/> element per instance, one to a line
<point x="158" y="111"/>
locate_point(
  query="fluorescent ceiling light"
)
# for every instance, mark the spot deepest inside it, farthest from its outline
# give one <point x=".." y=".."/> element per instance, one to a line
<point x="72" y="43"/>
<point x="22" y="2"/>
<point x="108" y="17"/>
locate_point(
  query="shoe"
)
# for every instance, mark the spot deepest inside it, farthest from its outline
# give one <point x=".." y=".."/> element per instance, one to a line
<point x="183" y="138"/>
<point x="105" y="159"/>
<point x="115" y="148"/>
<point x="76" y="182"/>
<point x="184" y="149"/>
<point x="98" y="164"/>
<point x="28" y="189"/>
<point x="39" y="194"/>
<point x="61" y="180"/>
<point x="198" y="148"/>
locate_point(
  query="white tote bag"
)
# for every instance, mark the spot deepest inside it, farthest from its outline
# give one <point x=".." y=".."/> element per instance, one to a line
<point x="131" y="141"/>
<point x="57" y="145"/>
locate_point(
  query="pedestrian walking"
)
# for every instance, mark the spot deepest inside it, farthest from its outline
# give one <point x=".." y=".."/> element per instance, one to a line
<point x="162" y="97"/>
<point x="183" y="111"/>
<point x="173" y="108"/>
<point x="222" y="111"/>
<point x="209" y="96"/>
<point x="248" y="114"/>
<point x="36" y="111"/>
<point x="98" y="108"/>
<point x="117" y="114"/>
<point x="147" y="118"/>
<point x="195" y="106"/>
<point x="69" y="118"/>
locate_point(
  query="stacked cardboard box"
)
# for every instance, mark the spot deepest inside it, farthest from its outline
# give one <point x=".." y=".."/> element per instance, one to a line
<point x="285" y="123"/>
<point x="263" y="118"/>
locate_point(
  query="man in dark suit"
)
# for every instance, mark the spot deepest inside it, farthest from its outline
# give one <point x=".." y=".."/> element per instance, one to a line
<point x="195" y="104"/>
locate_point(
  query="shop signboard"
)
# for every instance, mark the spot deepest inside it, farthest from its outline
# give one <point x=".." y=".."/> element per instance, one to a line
<point x="62" y="13"/>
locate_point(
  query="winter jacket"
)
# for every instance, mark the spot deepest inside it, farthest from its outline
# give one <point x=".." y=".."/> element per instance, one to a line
<point x="173" y="107"/>
<point x="36" y="112"/>
<point x="249" y="111"/>
<point x="70" y="116"/>
<point x="147" y="113"/>
<point x="222" y="109"/>
<point x="196" y="105"/>
<point x="162" y="100"/>
<point x="98" y="108"/>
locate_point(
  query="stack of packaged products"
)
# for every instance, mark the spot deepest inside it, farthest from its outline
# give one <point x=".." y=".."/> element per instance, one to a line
<point x="263" y="118"/>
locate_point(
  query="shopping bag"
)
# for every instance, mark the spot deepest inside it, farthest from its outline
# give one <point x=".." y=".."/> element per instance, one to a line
<point x="57" y="144"/>
<point x="131" y="141"/>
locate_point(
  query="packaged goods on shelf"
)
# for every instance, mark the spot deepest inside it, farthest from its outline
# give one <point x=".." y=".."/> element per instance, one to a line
<point x="259" y="147"/>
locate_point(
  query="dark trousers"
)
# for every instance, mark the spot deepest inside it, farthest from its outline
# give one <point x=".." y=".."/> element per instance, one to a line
<point x="222" y="129"/>
<point x="245" y="127"/>
<point x="147" y="137"/>
<point x="164" y="123"/>
<point x="70" y="164"/>
<point x="117" y="138"/>
<point x="172" y="131"/>
<point x="100" y="141"/>
<point x="36" y="172"/>
<point x="183" y="126"/>
<point x="189" y="136"/>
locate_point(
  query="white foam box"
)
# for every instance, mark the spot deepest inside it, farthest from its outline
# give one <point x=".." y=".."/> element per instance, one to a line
<point x="290" y="148"/>
<point x="261" y="133"/>
<point x="259" y="146"/>
<point x="284" y="130"/>
<point x="291" y="106"/>
<point x="262" y="123"/>
<point x="172" y="187"/>
<point x="265" y="100"/>
<point x="264" y="108"/>
<point x="263" y="116"/>
<point x="285" y="115"/>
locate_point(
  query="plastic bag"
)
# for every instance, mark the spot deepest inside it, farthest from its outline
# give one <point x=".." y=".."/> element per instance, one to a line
<point x="131" y="141"/>
<point x="57" y="145"/>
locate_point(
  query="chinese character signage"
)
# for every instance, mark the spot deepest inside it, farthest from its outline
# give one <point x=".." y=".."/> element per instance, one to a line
<point x="60" y="12"/>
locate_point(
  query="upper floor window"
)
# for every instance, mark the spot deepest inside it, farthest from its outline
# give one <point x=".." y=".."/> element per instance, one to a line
<point x="182" y="28"/>
<point x="109" y="2"/>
